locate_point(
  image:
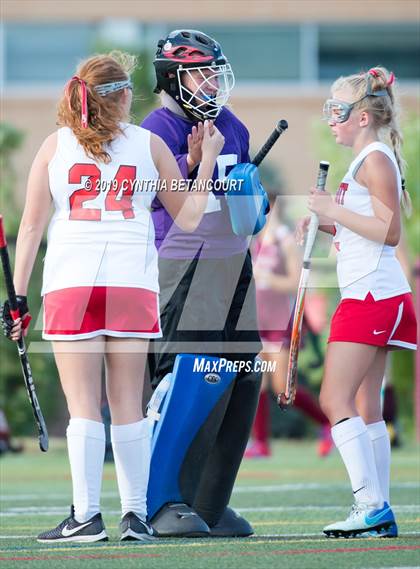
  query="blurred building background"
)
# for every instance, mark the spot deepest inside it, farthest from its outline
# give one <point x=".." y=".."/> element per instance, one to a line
<point x="285" y="54"/>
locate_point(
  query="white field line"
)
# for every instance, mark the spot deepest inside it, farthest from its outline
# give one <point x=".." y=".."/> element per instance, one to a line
<point x="397" y="508"/>
<point x="310" y="486"/>
<point x="15" y="536"/>
<point x="320" y="534"/>
<point x="44" y="497"/>
<point x="259" y="536"/>
<point x="236" y="490"/>
<point x="57" y="511"/>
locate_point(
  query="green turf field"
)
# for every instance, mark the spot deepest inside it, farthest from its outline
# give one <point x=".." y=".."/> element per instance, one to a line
<point x="288" y="499"/>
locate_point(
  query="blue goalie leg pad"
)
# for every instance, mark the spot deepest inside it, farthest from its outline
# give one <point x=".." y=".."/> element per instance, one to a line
<point x="180" y="411"/>
<point x="218" y="477"/>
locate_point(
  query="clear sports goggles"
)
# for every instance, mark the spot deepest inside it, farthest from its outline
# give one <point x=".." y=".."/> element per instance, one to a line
<point x="339" y="111"/>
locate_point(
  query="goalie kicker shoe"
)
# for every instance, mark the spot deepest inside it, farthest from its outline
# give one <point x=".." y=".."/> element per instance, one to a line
<point x="133" y="528"/>
<point x="365" y="521"/>
<point x="71" y="530"/>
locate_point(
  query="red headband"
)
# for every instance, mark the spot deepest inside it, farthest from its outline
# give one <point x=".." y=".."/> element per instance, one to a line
<point x="391" y="78"/>
<point x="83" y="98"/>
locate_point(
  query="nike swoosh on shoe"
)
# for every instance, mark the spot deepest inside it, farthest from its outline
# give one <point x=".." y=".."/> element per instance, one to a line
<point x="68" y="532"/>
<point x="149" y="529"/>
<point x="371" y="521"/>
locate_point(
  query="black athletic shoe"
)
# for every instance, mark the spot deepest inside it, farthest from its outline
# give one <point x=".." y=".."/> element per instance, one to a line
<point x="72" y="530"/>
<point x="179" y="520"/>
<point x="231" y="524"/>
<point x="133" y="528"/>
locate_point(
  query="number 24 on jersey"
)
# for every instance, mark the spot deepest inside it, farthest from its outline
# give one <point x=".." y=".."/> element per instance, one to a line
<point x="119" y="193"/>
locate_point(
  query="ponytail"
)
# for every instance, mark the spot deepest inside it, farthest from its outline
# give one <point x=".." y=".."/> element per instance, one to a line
<point x="91" y="103"/>
<point x="376" y="91"/>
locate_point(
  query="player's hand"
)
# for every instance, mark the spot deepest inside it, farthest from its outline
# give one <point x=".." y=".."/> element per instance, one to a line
<point x="321" y="203"/>
<point x="302" y="229"/>
<point x="194" y="146"/>
<point x="13" y="329"/>
<point x="213" y="141"/>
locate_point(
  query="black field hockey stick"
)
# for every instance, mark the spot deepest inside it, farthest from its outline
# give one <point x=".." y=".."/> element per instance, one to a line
<point x="23" y="356"/>
<point x="271" y="140"/>
<point x="285" y="399"/>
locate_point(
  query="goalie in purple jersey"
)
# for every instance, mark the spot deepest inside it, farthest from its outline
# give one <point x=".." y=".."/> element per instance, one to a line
<point x="207" y="301"/>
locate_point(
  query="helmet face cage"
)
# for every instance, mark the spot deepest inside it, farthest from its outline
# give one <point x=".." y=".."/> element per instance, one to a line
<point x="208" y="90"/>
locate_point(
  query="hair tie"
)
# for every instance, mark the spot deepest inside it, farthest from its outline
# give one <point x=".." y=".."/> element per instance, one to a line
<point x="391" y="79"/>
<point x="83" y="98"/>
<point x="373" y="72"/>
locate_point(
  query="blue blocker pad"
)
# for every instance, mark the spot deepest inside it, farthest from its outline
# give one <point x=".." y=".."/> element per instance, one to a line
<point x="185" y="413"/>
<point x="246" y="199"/>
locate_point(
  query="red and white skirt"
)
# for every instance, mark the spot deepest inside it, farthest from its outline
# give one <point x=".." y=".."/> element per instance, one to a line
<point x="387" y="323"/>
<point x="79" y="313"/>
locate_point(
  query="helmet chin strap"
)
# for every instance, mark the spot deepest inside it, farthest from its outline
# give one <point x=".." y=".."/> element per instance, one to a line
<point x="172" y="105"/>
<point x="175" y="107"/>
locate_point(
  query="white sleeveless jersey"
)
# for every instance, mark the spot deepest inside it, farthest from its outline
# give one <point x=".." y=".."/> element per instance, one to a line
<point x="101" y="233"/>
<point x="365" y="266"/>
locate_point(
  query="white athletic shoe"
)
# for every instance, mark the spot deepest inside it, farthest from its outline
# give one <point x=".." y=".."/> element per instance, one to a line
<point x="365" y="521"/>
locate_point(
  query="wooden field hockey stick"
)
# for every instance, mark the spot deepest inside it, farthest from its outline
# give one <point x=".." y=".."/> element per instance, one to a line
<point x="285" y="399"/>
<point x="23" y="356"/>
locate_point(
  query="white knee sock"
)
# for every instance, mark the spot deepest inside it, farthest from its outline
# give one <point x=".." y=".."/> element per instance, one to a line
<point x="131" y="445"/>
<point x="86" y="447"/>
<point x="382" y="451"/>
<point x="354" y="444"/>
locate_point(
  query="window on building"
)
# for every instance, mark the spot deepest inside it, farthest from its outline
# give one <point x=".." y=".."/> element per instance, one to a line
<point x="346" y="49"/>
<point x="258" y="53"/>
<point x="48" y="53"/>
<point x="44" y="52"/>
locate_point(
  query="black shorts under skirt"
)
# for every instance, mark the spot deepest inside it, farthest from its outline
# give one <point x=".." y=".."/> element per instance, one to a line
<point x="207" y="306"/>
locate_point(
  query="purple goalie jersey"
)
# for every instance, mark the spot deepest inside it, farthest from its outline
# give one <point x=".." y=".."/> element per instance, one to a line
<point x="214" y="237"/>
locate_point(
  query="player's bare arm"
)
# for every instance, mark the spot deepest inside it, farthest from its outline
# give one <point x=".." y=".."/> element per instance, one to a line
<point x="186" y="208"/>
<point x="378" y="175"/>
<point x="35" y="215"/>
<point x="326" y="225"/>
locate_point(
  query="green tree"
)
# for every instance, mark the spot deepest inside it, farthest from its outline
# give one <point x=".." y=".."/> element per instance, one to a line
<point x="10" y="140"/>
<point x="13" y="397"/>
<point x="142" y="77"/>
